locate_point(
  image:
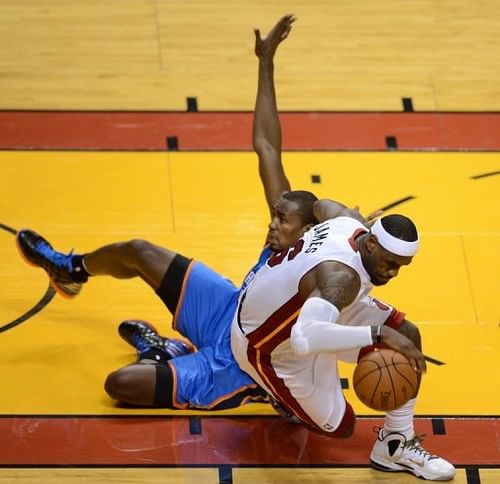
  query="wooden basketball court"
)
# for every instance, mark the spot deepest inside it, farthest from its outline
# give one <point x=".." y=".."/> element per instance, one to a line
<point x="135" y="122"/>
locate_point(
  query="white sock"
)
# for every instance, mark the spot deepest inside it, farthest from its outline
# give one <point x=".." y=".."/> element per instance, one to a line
<point x="401" y="419"/>
<point x="85" y="266"/>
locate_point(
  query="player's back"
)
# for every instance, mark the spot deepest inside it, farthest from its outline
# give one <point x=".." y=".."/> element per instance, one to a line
<point x="274" y="291"/>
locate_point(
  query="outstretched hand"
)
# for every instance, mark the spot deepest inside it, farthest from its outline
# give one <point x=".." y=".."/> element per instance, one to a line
<point x="266" y="47"/>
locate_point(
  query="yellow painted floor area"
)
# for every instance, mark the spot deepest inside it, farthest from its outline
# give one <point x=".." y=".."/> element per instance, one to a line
<point x="211" y="207"/>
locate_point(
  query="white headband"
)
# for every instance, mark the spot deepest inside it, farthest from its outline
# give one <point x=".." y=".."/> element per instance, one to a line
<point x="393" y="244"/>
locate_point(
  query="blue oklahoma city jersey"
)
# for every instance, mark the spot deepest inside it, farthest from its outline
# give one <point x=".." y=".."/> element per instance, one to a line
<point x="264" y="255"/>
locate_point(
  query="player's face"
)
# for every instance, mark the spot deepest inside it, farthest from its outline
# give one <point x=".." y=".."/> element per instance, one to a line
<point x="286" y="225"/>
<point x="383" y="265"/>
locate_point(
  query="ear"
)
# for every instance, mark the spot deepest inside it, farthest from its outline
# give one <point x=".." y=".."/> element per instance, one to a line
<point x="371" y="242"/>
<point x="305" y="228"/>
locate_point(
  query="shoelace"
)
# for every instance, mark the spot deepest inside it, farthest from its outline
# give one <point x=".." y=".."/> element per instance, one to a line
<point x="56" y="258"/>
<point x="414" y="446"/>
<point x="175" y="348"/>
<point x="143" y="342"/>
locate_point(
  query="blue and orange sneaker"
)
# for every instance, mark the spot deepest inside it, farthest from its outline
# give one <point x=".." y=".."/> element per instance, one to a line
<point x="143" y="336"/>
<point x="38" y="252"/>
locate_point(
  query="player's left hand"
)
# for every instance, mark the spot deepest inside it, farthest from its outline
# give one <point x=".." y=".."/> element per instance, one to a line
<point x="265" y="48"/>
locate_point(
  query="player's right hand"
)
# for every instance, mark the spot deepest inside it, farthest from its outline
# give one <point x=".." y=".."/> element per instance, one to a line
<point x="399" y="342"/>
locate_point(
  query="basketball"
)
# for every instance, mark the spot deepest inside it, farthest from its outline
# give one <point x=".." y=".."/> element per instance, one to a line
<point x="384" y="380"/>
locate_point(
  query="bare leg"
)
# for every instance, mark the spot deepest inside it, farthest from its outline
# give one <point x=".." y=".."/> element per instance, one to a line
<point x="135" y="258"/>
<point x="134" y="384"/>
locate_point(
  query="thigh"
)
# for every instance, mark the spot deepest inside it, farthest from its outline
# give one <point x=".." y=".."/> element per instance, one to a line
<point x="319" y="392"/>
<point x="211" y="379"/>
<point x="206" y="306"/>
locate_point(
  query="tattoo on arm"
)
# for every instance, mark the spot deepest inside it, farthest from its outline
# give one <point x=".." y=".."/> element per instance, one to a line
<point x="338" y="283"/>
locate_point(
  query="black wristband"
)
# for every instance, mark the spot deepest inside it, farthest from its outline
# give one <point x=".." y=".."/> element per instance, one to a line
<point x="376" y="334"/>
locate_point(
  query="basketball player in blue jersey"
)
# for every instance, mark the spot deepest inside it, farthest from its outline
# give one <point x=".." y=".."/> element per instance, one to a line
<point x="168" y="373"/>
<point x="201" y="301"/>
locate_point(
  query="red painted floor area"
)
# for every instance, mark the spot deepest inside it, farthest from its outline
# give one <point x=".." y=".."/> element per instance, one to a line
<point x="150" y="441"/>
<point x="231" y="131"/>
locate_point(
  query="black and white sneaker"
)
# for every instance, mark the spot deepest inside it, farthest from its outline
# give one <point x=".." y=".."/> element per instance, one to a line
<point x="393" y="452"/>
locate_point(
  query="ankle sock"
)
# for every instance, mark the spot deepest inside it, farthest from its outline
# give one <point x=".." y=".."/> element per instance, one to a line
<point x="79" y="272"/>
<point x="154" y="354"/>
<point x="401" y="419"/>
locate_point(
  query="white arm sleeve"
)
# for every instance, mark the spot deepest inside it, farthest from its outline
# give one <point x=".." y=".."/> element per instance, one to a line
<point x="316" y="330"/>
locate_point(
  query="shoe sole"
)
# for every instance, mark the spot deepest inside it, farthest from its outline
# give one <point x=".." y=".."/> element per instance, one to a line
<point x="385" y="468"/>
<point x="53" y="283"/>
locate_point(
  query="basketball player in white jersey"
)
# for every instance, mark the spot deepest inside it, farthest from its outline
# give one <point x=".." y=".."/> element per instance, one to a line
<point x="295" y="320"/>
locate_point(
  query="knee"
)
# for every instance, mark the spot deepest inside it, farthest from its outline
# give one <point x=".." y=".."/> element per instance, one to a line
<point x="135" y="384"/>
<point x="116" y="385"/>
<point x="136" y="248"/>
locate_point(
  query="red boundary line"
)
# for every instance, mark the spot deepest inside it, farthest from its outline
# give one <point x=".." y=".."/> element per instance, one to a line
<point x="231" y="131"/>
<point x="236" y="440"/>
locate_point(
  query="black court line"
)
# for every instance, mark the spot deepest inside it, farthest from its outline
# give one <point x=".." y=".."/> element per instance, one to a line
<point x="472" y="474"/>
<point x="219" y="416"/>
<point x="172" y="143"/>
<point x="250" y="150"/>
<point x="195" y="425"/>
<point x="225" y="475"/>
<point x="438" y="427"/>
<point x="391" y="142"/>
<point x="407" y="104"/>
<point x="8" y="229"/>
<point x="470" y="470"/>
<point x="484" y="175"/>
<point x="397" y="202"/>
<point x="191" y="105"/>
<point x="434" y="361"/>
<point x="46" y="298"/>
<point x="239" y="111"/>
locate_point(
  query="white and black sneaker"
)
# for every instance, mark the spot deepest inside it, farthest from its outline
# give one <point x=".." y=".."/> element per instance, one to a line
<point x="393" y="452"/>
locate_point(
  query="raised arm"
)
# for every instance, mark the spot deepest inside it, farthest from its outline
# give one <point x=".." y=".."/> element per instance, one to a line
<point x="266" y="124"/>
<point x="326" y="209"/>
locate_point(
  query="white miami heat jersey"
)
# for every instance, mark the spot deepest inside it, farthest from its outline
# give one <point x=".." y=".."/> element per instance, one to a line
<point x="268" y="308"/>
<point x="277" y="281"/>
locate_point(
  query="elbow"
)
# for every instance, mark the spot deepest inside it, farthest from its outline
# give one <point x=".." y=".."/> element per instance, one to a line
<point x="298" y="342"/>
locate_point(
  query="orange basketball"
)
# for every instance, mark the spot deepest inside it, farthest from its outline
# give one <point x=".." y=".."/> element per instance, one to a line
<point x="384" y="380"/>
